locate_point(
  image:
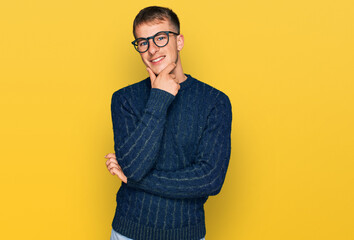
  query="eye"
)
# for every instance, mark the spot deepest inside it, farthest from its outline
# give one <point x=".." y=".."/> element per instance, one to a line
<point x="142" y="43"/>
<point x="161" y="37"/>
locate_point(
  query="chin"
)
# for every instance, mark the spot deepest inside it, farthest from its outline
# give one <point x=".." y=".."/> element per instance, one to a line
<point x="158" y="69"/>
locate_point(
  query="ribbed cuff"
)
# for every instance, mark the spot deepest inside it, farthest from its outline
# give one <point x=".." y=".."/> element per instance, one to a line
<point x="158" y="102"/>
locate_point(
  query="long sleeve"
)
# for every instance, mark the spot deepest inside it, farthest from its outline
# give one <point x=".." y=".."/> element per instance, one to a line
<point x="136" y="146"/>
<point x="206" y="174"/>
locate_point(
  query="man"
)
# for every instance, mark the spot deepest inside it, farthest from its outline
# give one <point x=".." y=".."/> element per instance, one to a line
<point x="172" y="139"/>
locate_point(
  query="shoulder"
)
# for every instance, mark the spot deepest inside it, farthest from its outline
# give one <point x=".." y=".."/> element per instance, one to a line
<point x="218" y="105"/>
<point x="133" y="90"/>
<point x="211" y="95"/>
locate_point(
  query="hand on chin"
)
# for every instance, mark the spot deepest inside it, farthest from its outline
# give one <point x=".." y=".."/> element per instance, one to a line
<point x="157" y="69"/>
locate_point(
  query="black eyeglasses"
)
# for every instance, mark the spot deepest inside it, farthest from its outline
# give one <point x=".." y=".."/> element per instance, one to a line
<point x="160" y="39"/>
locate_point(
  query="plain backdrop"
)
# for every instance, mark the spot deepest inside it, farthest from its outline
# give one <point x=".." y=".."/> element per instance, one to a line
<point x="287" y="67"/>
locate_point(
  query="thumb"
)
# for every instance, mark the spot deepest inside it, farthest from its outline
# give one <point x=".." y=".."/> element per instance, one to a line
<point x="151" y="74"/>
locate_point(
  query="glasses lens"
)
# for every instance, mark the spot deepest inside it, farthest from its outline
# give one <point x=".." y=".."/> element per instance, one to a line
<point x="141" y="45"/>
<point x="161" y="39"/>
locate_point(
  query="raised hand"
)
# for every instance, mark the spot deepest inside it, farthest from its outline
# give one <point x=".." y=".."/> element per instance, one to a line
<point x="165" y="80"/>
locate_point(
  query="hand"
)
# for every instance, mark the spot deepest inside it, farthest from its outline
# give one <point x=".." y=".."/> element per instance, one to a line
<point x="114" y="168"/>
<point x="165" y="80"/>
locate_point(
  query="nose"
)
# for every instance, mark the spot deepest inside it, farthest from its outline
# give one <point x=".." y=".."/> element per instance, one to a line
<point x="152" y="47"/>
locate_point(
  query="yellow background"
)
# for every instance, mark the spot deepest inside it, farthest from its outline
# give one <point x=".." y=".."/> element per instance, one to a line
<point x="287" y="67"/>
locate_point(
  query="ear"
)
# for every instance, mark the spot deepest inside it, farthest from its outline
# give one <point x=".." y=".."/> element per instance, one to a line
<point x="180" y="42"/>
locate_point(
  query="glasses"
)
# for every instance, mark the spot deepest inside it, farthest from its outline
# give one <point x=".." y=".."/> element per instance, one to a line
<point x="160" y="39"/>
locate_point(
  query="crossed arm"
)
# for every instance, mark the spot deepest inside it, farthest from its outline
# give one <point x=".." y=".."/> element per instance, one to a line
<point x="204" y="177"/>
<point x="137" y="138"/>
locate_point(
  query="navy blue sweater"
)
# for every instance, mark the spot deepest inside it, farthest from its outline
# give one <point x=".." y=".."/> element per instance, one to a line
<point x="175" y="151"/>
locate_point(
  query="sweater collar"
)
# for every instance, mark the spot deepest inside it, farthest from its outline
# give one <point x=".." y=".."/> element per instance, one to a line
<point x="186" y="83"/>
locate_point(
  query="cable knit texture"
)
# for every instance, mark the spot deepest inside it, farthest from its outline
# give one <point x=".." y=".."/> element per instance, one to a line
<point x="175" y="151"/>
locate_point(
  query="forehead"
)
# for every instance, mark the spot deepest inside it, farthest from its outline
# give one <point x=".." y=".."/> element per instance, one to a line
<point x="148" y="29"/>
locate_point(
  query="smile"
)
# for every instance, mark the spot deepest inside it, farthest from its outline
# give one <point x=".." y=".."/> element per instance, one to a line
<point x="157" y="59"/>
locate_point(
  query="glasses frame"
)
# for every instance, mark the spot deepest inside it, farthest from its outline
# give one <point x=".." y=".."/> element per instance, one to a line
<point x="153" y="39"/>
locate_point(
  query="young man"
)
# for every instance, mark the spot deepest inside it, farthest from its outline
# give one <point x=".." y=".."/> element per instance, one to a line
<point x="172" y="139"/>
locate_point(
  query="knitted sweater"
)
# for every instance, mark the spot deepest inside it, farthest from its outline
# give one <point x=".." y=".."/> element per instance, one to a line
<point x="175" y="151"/>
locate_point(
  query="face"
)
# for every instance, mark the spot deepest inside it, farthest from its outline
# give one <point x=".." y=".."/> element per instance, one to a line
<point x="157" y="58"/>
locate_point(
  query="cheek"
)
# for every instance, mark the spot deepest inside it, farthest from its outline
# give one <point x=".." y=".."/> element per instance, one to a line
<point x="144" y="59"/>
<point x="172" y="51"/>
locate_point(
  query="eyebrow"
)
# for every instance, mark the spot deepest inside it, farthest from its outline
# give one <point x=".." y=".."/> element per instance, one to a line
<point x="155" y="34"/>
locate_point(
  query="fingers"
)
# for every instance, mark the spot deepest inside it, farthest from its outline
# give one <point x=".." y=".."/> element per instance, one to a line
<point x="119" y="173"/>
<point x="169" y="68"/>
<point x="111" y="160"/>
<point x="113" y="165"/>
<point x="121" y="176"/>
<point x="110" y="155"/>
<point x="114" y="171"/>
<point x="114" y="168"/>
<point x="151" y="74"/>
<point x="173" y="76"/>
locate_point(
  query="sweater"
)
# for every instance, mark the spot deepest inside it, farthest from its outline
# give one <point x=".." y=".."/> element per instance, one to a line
<point x="174" y="151"/>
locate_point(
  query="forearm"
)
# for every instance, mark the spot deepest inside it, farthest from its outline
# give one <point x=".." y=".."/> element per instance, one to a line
<point x="136" y="147"/>
<point x="206" y="174"/>
<point x="198" y="180"/>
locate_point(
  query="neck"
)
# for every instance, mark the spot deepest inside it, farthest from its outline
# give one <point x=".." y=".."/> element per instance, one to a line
<point x="178" y="71"/>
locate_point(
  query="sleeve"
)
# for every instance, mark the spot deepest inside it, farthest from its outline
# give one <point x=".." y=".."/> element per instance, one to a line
<point x="206" y="175"/>
<point x="136" y="145"/>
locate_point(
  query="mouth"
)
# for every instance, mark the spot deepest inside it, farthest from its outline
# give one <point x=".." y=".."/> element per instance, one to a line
<point x="157" y="60"/>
